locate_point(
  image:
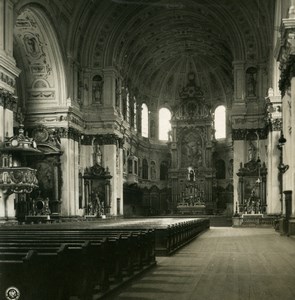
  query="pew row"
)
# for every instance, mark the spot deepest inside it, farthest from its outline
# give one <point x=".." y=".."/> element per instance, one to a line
<point x="175" y="236"/>
<point x="170" y="238"/>
<point x="59" y="264"/>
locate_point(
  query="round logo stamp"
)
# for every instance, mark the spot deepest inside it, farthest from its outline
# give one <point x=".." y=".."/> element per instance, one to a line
<point x="12" y="293"/>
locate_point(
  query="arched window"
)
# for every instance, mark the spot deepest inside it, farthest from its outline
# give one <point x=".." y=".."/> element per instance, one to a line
<point x="164" y="123"/>
<point x="145" y="169"/>
<point x="144" y="120"/>
<point x="220" y="122"/>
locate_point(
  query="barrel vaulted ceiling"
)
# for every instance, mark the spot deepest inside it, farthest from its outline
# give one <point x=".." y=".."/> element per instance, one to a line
<point x="153" y="44"/>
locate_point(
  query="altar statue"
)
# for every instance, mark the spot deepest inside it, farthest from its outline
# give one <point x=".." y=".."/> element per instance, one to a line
<point x="253" y="203"/>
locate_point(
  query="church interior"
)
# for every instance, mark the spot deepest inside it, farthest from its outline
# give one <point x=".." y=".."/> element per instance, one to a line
<point x="159" y="110"/>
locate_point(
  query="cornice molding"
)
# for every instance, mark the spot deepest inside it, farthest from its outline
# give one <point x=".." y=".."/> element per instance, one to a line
<point x="241" y="134"/>
<point x="102" y="139"/>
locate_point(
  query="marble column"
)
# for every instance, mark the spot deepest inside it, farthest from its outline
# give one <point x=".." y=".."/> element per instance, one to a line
<point x="70" y="178"/>
<point x="109" y="162"/>
<point x="273" y="185"/>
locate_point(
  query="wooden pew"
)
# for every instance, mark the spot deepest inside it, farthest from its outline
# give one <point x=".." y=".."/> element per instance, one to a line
<point x="55" y="273"/>
<point x="140" y="244"/>
<point x="169" y="239"/>
<point x="115" y="260"/>
<point x="126" y="251"/>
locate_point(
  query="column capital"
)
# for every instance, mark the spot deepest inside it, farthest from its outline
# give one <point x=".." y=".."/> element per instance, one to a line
<point x="7" y="100"/>
<point x="68" y="133"/>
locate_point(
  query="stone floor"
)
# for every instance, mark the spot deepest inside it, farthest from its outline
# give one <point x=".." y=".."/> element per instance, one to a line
<point x="222" y="263"/>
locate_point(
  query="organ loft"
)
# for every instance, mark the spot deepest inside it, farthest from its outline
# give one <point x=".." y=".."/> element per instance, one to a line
<point x="146" y="110"/>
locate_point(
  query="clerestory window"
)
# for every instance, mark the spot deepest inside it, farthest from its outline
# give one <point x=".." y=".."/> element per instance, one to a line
<point x="164" y="123"/>
<point x="220" y="122"/>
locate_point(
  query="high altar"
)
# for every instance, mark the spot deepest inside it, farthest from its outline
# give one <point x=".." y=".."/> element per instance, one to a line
<point x="191" y="175"/>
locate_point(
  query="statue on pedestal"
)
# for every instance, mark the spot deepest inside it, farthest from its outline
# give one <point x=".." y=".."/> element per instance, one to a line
<point x="253" y="203"/>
